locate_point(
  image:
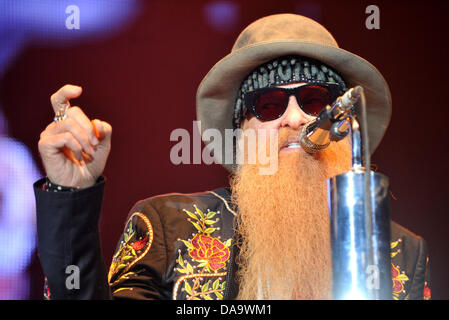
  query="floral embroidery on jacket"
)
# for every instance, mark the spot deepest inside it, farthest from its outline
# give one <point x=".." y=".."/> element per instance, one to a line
<point x="209" y="250"/>
<point x="47" y="294"/>
<point x="393" y="245"/>
<point x="398" y="278"/>
<point x="133" y="246"/>
<point x="427" y="293"/>
<point x="208" y="255"/>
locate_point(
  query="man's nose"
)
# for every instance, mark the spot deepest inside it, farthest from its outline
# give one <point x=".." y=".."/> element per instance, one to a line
<point x="294" y="117"/>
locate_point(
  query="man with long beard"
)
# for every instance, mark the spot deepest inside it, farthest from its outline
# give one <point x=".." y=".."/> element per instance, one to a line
<point x="267" y="237"/>
<point x="285" y="236"/>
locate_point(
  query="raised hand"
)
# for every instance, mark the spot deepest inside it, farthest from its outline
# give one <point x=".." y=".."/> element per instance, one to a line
<point x="74" y="150"/>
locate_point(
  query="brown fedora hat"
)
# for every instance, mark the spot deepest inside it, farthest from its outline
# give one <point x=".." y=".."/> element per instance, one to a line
<point x="279" y="35"/>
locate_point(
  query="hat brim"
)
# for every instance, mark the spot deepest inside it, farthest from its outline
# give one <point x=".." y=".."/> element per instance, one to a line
<point x="217" y="92"/>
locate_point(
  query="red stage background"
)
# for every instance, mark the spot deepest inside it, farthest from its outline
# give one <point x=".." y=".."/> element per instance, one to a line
<point x="143" y="81"/>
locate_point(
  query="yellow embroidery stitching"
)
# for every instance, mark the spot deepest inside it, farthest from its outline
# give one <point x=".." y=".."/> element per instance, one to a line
<point x="128" y="266"/>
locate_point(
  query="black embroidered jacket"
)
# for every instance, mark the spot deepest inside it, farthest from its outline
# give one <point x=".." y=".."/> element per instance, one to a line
<point x="174" y="246"/>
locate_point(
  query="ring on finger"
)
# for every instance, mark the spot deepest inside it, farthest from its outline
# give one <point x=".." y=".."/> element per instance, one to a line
<point x="61" y="114"/>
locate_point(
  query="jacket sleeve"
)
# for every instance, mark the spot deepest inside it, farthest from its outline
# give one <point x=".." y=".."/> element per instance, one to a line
<point x="69" y="242"/>
<point x="139" y="263"/>
<point x="70" y="252"/>
<point x="420" y="283"/>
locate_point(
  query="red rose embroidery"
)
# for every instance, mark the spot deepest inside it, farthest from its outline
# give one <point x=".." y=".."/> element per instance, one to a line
<point x="397" y="285"/>
<point x="139" y="245"/>
<point x="398" y="280"/>
<point x="211" y="250"/>
<point x="47" y="294"/>
<point x="427" y="293"/>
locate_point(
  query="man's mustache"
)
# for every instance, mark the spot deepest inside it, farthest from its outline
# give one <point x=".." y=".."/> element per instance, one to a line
<point x="287" y="135"/>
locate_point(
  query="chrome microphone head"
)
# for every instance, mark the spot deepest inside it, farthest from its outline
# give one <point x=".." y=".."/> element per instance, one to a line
<point x="321" y="139"/>
<point x="317" y="135"/>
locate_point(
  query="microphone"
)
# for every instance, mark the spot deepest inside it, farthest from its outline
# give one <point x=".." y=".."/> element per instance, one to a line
<point x="332" y="124"/>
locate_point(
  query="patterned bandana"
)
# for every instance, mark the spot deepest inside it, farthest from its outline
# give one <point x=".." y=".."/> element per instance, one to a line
<point x="283" y="70"/>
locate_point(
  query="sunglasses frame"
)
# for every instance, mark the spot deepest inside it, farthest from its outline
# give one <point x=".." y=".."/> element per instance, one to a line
<point x="334" y="88"/>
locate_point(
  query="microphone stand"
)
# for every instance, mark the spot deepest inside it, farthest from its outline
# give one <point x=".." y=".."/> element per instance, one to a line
<point x="360" y="229"/>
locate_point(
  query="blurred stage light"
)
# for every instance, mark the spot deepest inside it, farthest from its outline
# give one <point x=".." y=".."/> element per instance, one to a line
<point x="17" y="217"/>
<point x="43" y="23"/>
<point x="223" y="16"/>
